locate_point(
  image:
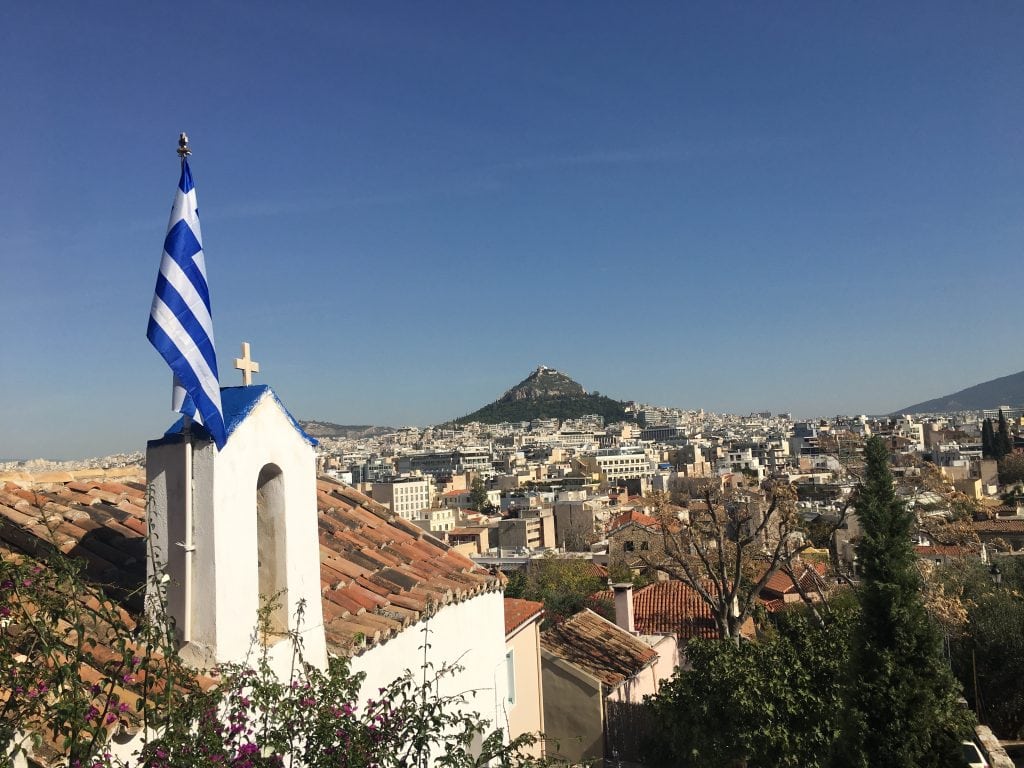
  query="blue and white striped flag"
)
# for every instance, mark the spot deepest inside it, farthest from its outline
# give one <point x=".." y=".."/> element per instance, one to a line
<point x="180" y="323"/>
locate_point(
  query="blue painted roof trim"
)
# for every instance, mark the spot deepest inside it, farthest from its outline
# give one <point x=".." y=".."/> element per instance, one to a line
<point x="237" y="403"/>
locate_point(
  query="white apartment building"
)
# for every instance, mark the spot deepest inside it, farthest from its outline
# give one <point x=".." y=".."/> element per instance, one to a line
<point x="914" y="431"/>
<point x="624" y="463"/>
<point x="405" y="496"/>
<point x="437" y="520"/>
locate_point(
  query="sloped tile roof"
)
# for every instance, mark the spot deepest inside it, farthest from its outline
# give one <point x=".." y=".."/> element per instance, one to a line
<point x="672" y="607"/>
<point x="946" y="550"/>
<point x="518" y="612"/>
<point x="598" y="647"/>
<point x="101" y="523"/>
<point x="378" y="572"/>
<point x="632" y="516"/>
<point x="998" y="526"/>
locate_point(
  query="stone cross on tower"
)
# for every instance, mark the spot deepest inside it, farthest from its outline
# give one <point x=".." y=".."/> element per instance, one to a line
<point x="246" y="365"/>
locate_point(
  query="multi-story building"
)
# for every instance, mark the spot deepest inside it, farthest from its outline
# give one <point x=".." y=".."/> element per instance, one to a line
<point x="446" y="462"/>
<point x="405" y="496"/>
<point x="623" y="463"/>
<point x="535" y="528"/>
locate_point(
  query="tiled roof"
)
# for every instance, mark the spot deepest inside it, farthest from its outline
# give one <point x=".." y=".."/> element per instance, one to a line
<point x="998" y="526"/>
<point x="598" y="647"/>
<point x="379" y="573"/>
<point x="518" y="612"/>
<point x="672" y="607"/>
<point x="632" y="516"/>
<point x="942" y="550"/>
<point x="101" y="523"/>
<point x="811" y="580"/>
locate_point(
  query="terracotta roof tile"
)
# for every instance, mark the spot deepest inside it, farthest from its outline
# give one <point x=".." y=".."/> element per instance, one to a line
<point x="518" y="612"/>
<point x="999" y="526"/>
<point x="598" y="647"/>
<point x="672" y="607"/>
<point x="379" y="572"/>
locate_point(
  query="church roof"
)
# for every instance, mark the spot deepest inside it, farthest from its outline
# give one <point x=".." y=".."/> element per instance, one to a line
<point x="379" y="573"/>
<point x="237" y="403"/>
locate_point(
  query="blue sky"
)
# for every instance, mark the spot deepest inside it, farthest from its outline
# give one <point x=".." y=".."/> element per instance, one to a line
<point x="406" y="207"/>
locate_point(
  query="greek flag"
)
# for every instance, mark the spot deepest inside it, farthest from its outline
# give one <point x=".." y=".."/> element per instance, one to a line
<point x="180" y="323"/>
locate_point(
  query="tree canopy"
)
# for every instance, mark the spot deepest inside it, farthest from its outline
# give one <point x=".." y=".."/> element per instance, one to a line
<point x="774" y="703"/>
<point x="901" y="699"/>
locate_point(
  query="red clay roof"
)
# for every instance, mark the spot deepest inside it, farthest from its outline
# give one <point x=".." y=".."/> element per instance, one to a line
<point x="379" y="573"/>
<point x="632" y="516"/>
<point x="942" y="549"/>
<point x="518" y="612"/>
<point x="598" y="647"/>
<point x="999" y="526"/>
<point x="672" y="607"/>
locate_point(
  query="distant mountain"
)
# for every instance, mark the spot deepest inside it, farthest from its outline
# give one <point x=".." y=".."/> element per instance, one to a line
<point x="547" y="394"/>
<point x="345" y="431"/>
<point x="1006" y="390"/>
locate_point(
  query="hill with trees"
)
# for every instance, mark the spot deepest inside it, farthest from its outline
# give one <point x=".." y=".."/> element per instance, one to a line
<point x="1006" y="390"/>
<point x="547" y="394"/>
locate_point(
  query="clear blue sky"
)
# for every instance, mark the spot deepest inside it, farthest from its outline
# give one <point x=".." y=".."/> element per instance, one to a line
<point x="814" y="207"/>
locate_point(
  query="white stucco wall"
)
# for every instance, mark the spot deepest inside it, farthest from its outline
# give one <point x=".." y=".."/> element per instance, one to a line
<point x="471" y="633"/>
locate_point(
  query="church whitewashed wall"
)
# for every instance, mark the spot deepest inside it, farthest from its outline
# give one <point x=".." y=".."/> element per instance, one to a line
<point x="471" y="633"/>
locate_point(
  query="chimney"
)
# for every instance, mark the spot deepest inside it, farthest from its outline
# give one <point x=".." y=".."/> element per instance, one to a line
<point x="624" y="606"/>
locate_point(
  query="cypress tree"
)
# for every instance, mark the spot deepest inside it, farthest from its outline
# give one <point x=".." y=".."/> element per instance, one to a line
<point x="1003" y="442"/>
<point x="987" y="440"/>
<point x="902" y="709"/>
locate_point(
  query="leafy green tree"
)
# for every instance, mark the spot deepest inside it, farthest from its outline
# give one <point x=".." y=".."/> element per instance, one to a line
<point x="772" y="704"/>
<point x="901" y="698"/>
<point x="478" y="496"/>
<point x="990" y="649"/>
<point x="565" y="586"/>
<point x="1011" y="468"/>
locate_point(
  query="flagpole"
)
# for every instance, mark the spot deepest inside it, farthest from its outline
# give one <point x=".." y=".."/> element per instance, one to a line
<point x="186" y="630"/>
<point x="187" y="545"/>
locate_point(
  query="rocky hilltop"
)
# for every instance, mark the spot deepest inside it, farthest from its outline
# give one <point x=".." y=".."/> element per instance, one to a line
<point x="547" y="394"/>
<point x="543" y="383"/>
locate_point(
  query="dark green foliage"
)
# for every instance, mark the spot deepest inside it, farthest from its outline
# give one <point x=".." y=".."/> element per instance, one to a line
<point x="901" y="705"/>
<point x="478" y="496"/>
<point x="561" y="407"/>
<point x="992" y="646"/>
<point x="564" y="585"/>
<point x="1002" y="443"/>
<point x="771" y="704"/>
<point x="1011" y="468"/>
<point x="988" y="450"/>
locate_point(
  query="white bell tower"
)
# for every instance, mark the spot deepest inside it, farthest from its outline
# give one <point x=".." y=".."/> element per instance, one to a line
<point x="235" y="530"/>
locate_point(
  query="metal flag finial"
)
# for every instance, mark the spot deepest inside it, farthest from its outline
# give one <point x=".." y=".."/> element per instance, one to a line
<point x="183" y="148"/>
